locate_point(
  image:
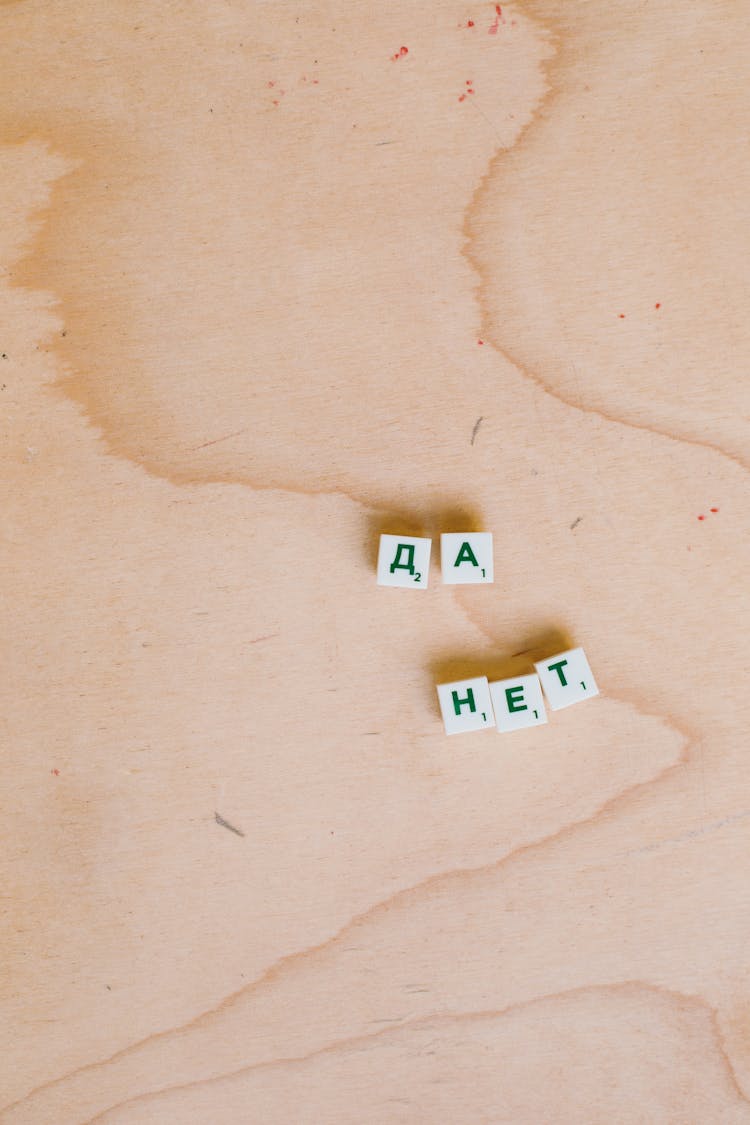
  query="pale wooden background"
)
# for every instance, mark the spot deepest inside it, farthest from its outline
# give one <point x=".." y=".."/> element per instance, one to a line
<point x="239" y="339"/>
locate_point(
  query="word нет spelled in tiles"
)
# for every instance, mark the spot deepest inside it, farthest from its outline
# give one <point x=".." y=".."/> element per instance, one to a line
<point x="517" y="703"/>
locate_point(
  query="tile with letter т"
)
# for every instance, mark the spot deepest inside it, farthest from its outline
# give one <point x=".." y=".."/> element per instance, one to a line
<point x="404" y="560"/>
<point x="467" y="557"/>
<point x="566" y="678"/>
<point x="518" y="703"/>
<point x="466" y="705"/>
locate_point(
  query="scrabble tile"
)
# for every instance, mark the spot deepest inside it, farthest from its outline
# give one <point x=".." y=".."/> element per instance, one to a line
<point x="404" y="561"/>
<point x="566" y="678"/>
<point x="467" y="557"/>
<point x="518" y="703"/>
<point x="466" y="705"/>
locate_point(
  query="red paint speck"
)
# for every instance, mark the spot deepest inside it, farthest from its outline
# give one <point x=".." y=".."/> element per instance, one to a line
<point x="657" y="305"/>
<point x="480" y="341"/>
<point x="275" y="101"/>
<point x="400" y="53"/>
<point x="462" y="97"/>
<point x="470" y="23"/>
<point x="701" y="517"/>
<point x="714" y="509"/>
<point x="55" y="772"/>
<point x="621" y="316"/>
<point x="492" y="29"/>
<point x="271" y="84"/>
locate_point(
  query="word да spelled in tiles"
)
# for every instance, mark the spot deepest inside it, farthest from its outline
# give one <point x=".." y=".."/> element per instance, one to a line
<point x="517" y="702"/>
<point x="404" y="560"/>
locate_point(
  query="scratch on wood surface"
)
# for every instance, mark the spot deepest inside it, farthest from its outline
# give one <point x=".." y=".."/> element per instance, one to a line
<point x="216" y="441"/>
<point x="477" y="424"/>
<point x="225" y="824"/>
<point x="691" y="834"/>
<point x="575" y="523"/>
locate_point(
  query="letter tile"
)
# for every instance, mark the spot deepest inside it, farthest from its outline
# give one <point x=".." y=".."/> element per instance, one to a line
<point x="467" y="557"/>
<point x="566" y="678"/>
<point x="518" y="703"/>
<point x="404" y="561"/>
<point x="466" y="705"/>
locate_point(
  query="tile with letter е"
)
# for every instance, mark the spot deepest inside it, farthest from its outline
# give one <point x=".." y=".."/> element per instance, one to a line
<point x="566" y="678"/>
<point x="518" y="703"/>
<point x="466" y="705"/>
<point x="467" y="557"/>
<point x="404" y="560"/>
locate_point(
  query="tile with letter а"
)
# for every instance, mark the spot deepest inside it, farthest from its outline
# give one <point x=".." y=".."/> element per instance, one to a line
<point x="518" y="703"/>
<point x="404" y="560"/>
<point x="566" y="678"/>
<point x="466" y="705"/>
<point x="466" y="557"/>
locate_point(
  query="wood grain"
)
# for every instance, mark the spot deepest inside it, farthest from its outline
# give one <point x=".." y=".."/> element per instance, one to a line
<point x="260" y="280"/>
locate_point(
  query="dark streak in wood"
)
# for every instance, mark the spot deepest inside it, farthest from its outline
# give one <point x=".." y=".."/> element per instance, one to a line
<point x="225" y="824"/>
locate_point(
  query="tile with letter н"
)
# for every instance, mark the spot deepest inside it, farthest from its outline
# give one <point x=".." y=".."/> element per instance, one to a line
<point x="467" y="557"/>
<point x="404" y="560"/>
<point x="518" y="703"/>
<point x="466" y="705"/>
<point x="566" y="678"/>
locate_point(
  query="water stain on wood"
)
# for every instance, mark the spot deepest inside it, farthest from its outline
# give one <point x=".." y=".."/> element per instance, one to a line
<point x="174" y="257"/>
<point x="624" y="232"/>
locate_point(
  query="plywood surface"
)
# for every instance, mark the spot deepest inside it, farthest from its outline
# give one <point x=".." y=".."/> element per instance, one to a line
<point x="269" y="286"/>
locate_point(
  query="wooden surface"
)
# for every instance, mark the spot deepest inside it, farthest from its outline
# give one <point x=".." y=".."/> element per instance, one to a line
<point x="262" y="283"/>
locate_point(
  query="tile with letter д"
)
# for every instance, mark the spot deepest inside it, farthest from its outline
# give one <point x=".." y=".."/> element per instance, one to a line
<point x="467" y="557"/>
<point x="518" y="703"/>
<point x="466" y="705"/>
<point x="566" y="678"/>
<point x="404" y="560"/>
